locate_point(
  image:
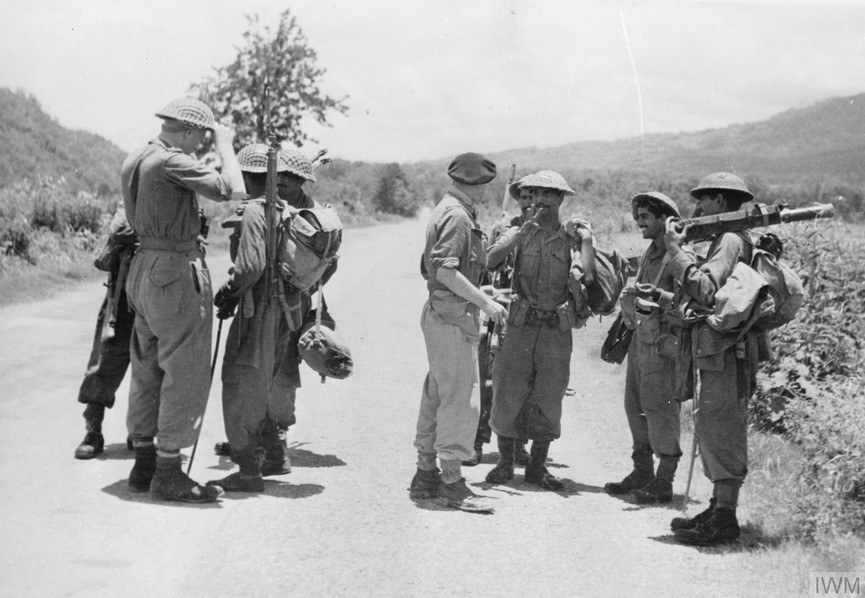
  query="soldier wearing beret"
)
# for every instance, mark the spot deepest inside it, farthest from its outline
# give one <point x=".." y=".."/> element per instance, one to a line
<point x="453" y="262"/>
<point x="650" y="402"/>
<point x="169" y="290"/>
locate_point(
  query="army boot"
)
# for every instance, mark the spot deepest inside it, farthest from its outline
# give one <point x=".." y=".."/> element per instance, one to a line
<point x="275" y="443"/>
<point x="642" y="474"/>
<point x="681" y="523"/>
<point x="248" y="479"/>
<point x="477" y="456"/>
<point x="660" y="489"/>
<point x="93" y="443"/>
<point x="143" y="469"/>
<point x="504" y="469"/>
<point x="425" y="483"/>
<point x="521" y="455"/>
<point x="170" y="483"/>
<point x="721" y="526"/>
<point x="536" y="470"/>
<point x="453" y="491"/>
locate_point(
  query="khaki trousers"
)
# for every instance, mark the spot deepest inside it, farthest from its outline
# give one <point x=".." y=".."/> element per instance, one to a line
<point x="170" y="351"/>
<point x="450" y="401"/>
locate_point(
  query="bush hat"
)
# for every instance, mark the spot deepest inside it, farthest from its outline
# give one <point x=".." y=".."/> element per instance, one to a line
<point x="472" y="169"/>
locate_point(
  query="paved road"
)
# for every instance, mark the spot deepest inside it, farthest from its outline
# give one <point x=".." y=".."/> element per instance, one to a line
<point x="341" y="524"/>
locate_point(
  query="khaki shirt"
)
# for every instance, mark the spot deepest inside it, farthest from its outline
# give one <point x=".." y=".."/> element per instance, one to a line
<point x="542" y="266"/>
<point x="159" y="187"/>
<point x="453" y="240"/>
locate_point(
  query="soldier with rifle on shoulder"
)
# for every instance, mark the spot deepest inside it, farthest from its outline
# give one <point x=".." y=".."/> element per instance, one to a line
<point x="109" y="356"/>
<point x="260" y="373"/>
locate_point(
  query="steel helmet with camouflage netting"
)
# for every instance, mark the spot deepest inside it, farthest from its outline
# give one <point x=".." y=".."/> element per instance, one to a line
<point x="657" y="198"/>
<point x="548" y="179"/>
<point x="253" y="158"/>
<point x="190" y="112"/>
<point x="722" y="182"/>
<point x="297" y="164"/>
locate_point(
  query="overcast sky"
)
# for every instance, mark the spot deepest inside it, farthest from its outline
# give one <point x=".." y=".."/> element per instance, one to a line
<point x="430" y="79"/>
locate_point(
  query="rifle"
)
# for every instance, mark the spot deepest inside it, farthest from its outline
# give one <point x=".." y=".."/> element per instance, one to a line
<point x="507" y="193"/>
<point x="271" y="217"/>
<point x="704" y="227"/>
<point x="116" y="284"/>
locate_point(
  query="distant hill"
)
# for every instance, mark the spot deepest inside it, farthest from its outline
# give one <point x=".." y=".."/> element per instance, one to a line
<point x="823" y="141"/>
<point x="32" y="145"/>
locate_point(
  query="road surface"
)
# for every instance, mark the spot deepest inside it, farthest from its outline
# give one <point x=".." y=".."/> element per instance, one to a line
<point x="341" y="524"/>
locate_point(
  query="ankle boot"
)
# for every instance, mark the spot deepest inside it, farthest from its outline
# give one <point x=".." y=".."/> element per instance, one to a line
<point x="504" y="469"/>
<point x="170" y="483"/>
<point x="93" y="443"/>
<point x="425" y="483"/>
<point x="642" y="474"/>
<point x="521" y="455"/>
<point x="660" y="489"/>
<point x="721" y="526"/>
<point x="143" y="469"/>
<point x="681" y="523"/>
<point x="536" y="470"/>
<point x="248" y="479"/>
<point x="274" y="440"/>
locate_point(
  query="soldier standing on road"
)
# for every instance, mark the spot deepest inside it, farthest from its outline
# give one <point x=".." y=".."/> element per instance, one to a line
<point x="453" y="262"/>
<point x="727" y="364"/>
<point x="169" y="290"/>
<point x="260" y="370"/>
<point x="650" y="402"/>
<point x="500" y="279"/>
<point x="109" y="357"/>
<point x="532" y="368"/>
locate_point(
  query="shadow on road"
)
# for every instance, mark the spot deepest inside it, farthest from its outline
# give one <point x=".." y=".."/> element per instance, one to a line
<point x="275" y="487"/>
<point x="120" y="489"/>
<point x="116" y="452"/>
<point x="304" y="458"/>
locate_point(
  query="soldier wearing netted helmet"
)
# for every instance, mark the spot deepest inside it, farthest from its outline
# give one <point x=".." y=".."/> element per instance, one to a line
<point x="725" y="362"/>
<point x="260" y="369"/>
<point x="532" y="368"/>
<point x="169" y="290"/>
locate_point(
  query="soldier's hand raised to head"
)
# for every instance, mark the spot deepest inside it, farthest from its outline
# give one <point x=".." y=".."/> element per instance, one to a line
<point x="222" y="135"/>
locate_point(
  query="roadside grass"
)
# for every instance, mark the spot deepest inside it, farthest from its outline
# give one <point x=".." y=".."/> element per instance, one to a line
<point x="776" y="507"/>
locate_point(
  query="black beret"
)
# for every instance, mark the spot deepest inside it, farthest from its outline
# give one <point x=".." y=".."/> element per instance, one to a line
<point x="472" y="169"/>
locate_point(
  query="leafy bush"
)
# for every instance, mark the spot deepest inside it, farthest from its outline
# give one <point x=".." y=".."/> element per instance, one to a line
<point x="813" y="390"/>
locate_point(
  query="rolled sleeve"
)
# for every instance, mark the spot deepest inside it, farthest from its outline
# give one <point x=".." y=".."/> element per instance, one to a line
<point x="195" y="176"/>
<point x="451" y="241"/>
